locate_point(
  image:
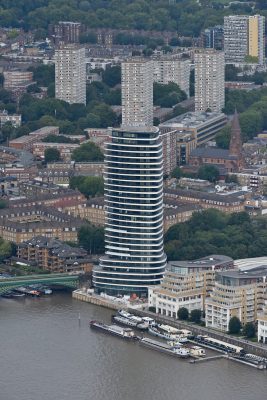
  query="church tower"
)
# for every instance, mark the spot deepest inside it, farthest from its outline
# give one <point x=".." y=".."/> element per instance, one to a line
<point x="235" y="148"/>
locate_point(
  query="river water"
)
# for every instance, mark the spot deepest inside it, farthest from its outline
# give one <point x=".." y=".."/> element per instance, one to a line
<point x="46" y="355"/>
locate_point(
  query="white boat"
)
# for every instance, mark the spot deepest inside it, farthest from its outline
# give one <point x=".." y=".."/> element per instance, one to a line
<point x="136" y="319"/>
<point x="168" y="329"/>
<point x="165" y="348"/>
<point x="149" y="321"/>
<point x="183" y="339"/>
<point x="197" y="351"/>
<point x="123" y="321"/>
<point x="174" y="343"/>
<point x="181" y="352"/>
<point x="125" y="314"/>
<point x="163" y="335"/>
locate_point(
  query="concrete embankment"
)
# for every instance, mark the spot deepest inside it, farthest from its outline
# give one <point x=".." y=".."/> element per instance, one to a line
<point x="95" y="299"/>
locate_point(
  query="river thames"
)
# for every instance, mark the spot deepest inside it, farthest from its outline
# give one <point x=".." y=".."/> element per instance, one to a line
<point x="47" y="355"/>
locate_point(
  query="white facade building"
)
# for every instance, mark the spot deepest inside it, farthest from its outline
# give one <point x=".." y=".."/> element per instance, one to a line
<point x="186" y="284"/>
<point x="137" y="92"/>
<point x="236" y="293"/>
<point x="262" y="325"/>
<point x="169" y="69"/>
<point x="209" y="80"/>
<point x="70" y="74"/>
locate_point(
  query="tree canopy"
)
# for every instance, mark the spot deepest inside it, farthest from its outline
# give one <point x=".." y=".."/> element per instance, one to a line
<point x="252" y="106"/>
<point x="91" y="238"/>
<point x="167" y="95"/>
<point x="87" y="152"/>
<point x="5" y="249"/>
<point x="51" y="155"/>
<point x="195" y="316"/>
<point x="209" y="173"/>
<point x="213" y="232"/>
<point x="183" y="313"/>
<point x="249" y="330"/>
<point x="90" y="186"/>
<point x="234" y="325"/>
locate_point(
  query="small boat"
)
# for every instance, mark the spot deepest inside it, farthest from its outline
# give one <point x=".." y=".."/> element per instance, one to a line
<point x="197" y="351"/>
<point x="165" y="348"/>
<point x="143" y="326"/>
<point x="136" y="319"/>
<point x="123" y="321"/>
<point x="169" y="329"/>
<point x="124" y="333"/>
<point x="155" y="332"/>
<point x="124" y="314"/>
<point x="149" y="321"/>
<point x="183" y="339"/>
<point x="174" y="343"/>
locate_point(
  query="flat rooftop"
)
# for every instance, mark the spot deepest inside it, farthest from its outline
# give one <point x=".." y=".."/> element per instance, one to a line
<point x="257" y="272"/>
<point x="193" y="119"/>
<point x="205" y="262"/>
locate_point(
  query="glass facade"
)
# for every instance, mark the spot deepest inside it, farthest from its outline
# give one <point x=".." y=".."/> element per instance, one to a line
<point x="134" y="257"/>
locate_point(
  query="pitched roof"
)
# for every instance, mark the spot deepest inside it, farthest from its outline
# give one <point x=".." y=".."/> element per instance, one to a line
<point x="212" y="152"/>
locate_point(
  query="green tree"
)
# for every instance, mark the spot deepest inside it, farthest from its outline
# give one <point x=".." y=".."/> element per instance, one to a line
<point x="3" y="204"/>
<point x="52" y="155"/>
<point x="183" y="314"/>
<point x="5" y="249"/>
<point x="167" y="95"/>
<point x="223" y="137"/>
<point x="87" y="152"/>
<point x="195" y="316"/>
<point x="112" y="76"/>
<point x="234" y="325"/>
<point x="43" y="74"/>
<point x="91" y="238"/>
<point x="90" y="186"/>
<point x="176" y="173"/>
<point x="249" y="330"/>
<point x="208" y="172"/>
<point x="231" y="179"/>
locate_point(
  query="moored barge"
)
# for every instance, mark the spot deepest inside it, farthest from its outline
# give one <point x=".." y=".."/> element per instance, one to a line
<point x="115" y="330"/>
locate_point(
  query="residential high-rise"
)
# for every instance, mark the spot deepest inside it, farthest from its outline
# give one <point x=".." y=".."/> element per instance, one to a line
<point x="213" y="38"/>
<point x="134" y="257"/>
<point x="209" y="80"/>
<point x="171" y="69"/>
<point x="137" y="92"/>
<point x="256" y="37"/>
<point x="70" y="74"/>
<point x="243" y="37"/>
<point x="67" y="32"/>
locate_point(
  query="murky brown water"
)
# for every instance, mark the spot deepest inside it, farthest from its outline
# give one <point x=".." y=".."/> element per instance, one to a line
<point x="46" y="355"/>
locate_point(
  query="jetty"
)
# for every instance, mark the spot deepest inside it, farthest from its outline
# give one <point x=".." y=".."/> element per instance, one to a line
<point x="211" y="358"/>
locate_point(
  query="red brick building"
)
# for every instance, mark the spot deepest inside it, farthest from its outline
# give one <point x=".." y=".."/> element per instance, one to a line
<point x="227" y="161"/>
